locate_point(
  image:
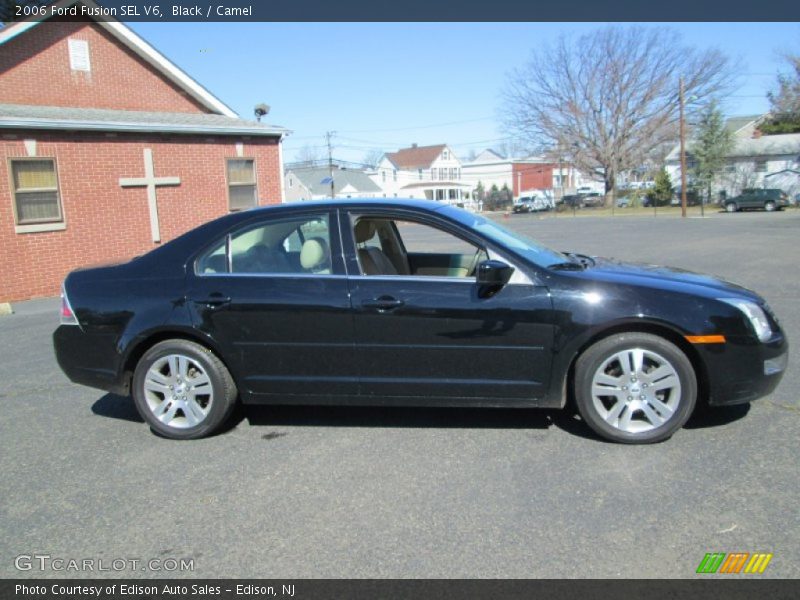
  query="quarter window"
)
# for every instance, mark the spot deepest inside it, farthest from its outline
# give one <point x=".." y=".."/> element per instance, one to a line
<point x="35" y="189"/>
<point x="241" y="183"/>
<point x="761" y="166"/>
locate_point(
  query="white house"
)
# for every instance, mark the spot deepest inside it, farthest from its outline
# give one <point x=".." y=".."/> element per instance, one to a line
<point x="756" y="161"/>
<point x="314" y="183"/>
<point x="425" y="172"/>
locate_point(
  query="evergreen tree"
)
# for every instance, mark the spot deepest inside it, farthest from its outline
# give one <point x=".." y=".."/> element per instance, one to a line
<point x="713" y="142"/>
<point x="662" y="191"/>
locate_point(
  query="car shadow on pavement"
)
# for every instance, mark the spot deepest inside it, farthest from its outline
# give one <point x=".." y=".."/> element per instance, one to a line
<point x="395" y="417"/>
<point x="716" y="416"/>
<point x="114" y="406"/>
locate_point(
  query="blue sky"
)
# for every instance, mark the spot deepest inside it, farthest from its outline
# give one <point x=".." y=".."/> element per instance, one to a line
<point x="387" y="85"/>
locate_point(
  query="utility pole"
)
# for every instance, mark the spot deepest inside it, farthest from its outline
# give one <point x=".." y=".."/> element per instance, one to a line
<point x="328" y="136"/>
<point x="683" y="150"/>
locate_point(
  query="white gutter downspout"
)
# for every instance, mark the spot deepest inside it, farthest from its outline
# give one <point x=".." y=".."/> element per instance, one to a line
<point x="280" y="168"/>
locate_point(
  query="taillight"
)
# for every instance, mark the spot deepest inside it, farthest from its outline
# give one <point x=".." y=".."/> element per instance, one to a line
<point x="67" y="316"/>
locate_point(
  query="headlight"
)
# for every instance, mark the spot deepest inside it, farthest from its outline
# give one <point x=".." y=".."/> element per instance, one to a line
<point x="755" y="314"/>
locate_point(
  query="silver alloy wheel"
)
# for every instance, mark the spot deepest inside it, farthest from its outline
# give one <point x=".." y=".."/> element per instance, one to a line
<point x="730" y="207"/>
<point x="769" y="206"/>
<point x="636" y="390"/>
<point x="178" y="391"/>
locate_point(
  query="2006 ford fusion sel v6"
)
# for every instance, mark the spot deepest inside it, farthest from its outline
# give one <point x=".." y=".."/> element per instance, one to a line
<point x="409" y="303"/>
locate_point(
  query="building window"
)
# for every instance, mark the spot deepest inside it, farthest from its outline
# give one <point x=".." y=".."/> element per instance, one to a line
<point x="445" y="155"/>
<point x="383" y="176"/>
<point x="761" y="165"/>
<point x="394" y="175"/>
<point x="241" y="183"/>
<point x="79" y="55"/>
<point x="290" y="181"/>
<point x="36" y="198"/>
<point x="433" y="174"/>
<point x="420" y="174"/>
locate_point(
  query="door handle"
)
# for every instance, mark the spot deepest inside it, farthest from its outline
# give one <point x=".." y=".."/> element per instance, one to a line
<point x="216" y="300"/>
<point x="383" y="304"/>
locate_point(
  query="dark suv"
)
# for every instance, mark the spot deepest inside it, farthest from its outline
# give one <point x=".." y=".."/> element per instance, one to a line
<point x="768" y="199"/>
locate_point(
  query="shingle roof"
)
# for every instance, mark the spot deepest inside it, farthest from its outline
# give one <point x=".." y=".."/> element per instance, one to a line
<point x="734" y="124"/>
<point x="19" y="116"/>
<point x="768" y="145"/>
<point x="313" y="177"/>
<point x="416" y="157"/>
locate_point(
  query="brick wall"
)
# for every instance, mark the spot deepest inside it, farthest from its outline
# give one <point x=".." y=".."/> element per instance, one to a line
<point x="528" y="177"/>
<point x="105" y="222"/>
<point x="35" y="69"/>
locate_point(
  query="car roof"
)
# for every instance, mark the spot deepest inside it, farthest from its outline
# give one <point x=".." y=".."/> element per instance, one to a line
<point x="351" y="203"/>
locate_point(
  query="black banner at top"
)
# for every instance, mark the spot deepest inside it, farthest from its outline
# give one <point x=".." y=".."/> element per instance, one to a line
<point x="407" y="10"/>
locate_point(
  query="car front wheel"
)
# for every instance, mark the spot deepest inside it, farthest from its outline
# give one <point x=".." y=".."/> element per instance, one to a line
<point x="769" y="206"/>
<point x="183" y="390"/>
<point x="731" y="207"/>
<point x="635" y="388"/>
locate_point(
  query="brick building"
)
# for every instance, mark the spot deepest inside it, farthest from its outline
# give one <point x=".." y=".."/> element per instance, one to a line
<point x="110" y="150"/>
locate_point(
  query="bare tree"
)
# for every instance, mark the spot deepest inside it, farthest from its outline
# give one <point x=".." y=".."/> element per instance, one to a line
<point x="608" y="98"/>
<point x="372" y="158"/>
<point x="785" y="100"/>
<point x="310" y="154"/>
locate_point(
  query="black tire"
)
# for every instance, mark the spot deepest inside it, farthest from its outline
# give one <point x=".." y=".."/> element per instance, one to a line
<point x="769" y="206"/>
<point x="681" y="399"/>
<point x="220" y="400"/>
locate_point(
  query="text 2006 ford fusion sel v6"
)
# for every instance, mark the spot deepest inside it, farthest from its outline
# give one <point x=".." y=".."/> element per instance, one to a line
<point x="409" y="303"/>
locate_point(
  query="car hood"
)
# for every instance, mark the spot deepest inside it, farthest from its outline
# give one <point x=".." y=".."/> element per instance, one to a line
<point x="668" y="278"/>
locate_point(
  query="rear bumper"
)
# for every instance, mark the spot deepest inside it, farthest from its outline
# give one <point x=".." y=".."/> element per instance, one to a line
<point x="743" y="369"/>
<point x="85" y="360"/>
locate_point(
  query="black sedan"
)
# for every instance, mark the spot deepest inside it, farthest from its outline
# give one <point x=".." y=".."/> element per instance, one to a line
<point x="409" y="303"/>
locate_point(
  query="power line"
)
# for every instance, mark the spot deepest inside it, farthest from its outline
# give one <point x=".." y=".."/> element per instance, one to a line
<point x="434" y="125"/>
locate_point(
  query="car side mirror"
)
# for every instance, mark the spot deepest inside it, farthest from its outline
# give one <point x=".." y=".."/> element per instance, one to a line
<point x="492" y="275"/>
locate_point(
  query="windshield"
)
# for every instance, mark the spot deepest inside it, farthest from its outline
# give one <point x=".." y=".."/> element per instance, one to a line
<point x="533" y="251"/>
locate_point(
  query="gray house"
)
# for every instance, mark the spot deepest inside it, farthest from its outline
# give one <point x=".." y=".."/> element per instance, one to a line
<point x="756" y="160"/>
<point x="313" y="183"/>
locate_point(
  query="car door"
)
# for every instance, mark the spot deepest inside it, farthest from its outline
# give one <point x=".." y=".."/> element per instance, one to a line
<point x="424" y="335"/>
<point x="273" y="295"/>
<point x="750" y="199"/>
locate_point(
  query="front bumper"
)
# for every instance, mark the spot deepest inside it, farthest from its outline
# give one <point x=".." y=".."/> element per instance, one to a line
<point x="744" y="369"/>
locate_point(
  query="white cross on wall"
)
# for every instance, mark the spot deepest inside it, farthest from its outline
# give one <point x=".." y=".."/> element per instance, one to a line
<point x="150" y="181"/>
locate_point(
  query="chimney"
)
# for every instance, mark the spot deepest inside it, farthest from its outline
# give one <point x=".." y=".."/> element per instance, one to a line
<point x="414" y="145"/>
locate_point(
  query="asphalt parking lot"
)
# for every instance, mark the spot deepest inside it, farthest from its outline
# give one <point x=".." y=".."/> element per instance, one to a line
<point x="354" y="492"/>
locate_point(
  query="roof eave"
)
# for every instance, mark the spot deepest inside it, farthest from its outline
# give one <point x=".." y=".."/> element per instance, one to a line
<point x="140" y="127"/>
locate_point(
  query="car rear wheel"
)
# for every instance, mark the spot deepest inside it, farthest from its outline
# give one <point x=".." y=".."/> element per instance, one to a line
<point x="183" y="390"/>
<point x="731" y="207"/>
<point x="769" y="206"/>
<point x="635" y="388"/>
